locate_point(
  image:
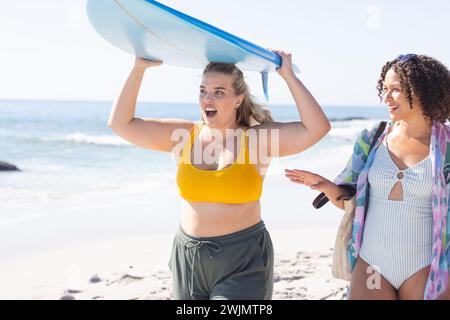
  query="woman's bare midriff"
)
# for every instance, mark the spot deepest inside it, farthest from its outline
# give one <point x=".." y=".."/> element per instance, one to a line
<point x="201" y="219"/>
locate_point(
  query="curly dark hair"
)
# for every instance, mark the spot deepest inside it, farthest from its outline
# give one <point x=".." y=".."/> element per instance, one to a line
<point x="425" y="79"/>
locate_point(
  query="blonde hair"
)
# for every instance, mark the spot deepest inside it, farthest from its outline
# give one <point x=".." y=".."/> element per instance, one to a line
<point x="249" y="113"/>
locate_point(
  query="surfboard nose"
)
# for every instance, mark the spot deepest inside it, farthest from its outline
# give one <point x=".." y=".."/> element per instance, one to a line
<point x="153" y="31"/>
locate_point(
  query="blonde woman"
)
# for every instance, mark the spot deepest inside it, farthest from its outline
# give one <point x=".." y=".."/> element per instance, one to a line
<point x="222" y="249"/>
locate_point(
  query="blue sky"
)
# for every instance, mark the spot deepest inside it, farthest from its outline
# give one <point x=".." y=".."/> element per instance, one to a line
<point x="49" y="50"/>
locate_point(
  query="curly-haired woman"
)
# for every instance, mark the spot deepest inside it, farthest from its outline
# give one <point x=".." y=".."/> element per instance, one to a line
<point x="401" y="225"/>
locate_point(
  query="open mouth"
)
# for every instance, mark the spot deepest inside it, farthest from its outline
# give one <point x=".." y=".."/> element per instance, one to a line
<point x="210" y="112"/>
<point x="392" y="108"/>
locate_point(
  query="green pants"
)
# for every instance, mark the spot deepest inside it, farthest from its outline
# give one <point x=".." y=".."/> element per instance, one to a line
<point x="232" y="267"/>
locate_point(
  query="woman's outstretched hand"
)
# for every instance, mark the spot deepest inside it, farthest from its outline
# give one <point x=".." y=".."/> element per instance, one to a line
<point x="309" y="179"/>
<point x="319" y="183"/>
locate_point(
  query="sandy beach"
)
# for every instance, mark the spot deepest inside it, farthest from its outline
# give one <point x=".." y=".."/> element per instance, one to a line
<point x="136" y="268"/>
<point x="115" y="244"/>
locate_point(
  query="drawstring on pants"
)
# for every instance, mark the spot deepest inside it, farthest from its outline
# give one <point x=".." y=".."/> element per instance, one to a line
<point x="197" y="245"/>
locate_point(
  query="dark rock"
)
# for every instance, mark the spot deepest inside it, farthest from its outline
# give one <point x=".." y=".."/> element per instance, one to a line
<point x="67" y="297"/>
<point x="4" y="166"/>
<point x="95" y="279"/>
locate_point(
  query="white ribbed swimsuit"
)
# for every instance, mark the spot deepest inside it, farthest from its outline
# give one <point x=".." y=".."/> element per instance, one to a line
<point x="398" y="235"/>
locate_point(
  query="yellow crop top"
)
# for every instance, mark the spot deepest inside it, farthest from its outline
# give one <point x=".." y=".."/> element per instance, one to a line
<point x="238" y="183"/>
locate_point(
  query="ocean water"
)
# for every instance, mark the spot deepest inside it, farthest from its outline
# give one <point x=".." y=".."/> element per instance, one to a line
<point x="66" y="148"/>
<point x="79" y="177"/>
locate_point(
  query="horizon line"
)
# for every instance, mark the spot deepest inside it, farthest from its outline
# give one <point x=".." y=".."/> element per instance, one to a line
<point x="175" y="102"/>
